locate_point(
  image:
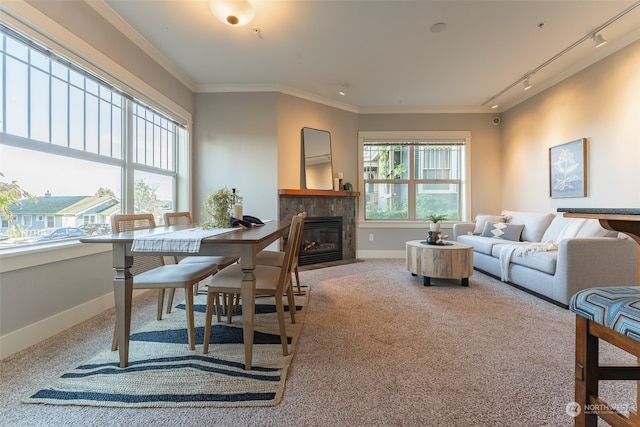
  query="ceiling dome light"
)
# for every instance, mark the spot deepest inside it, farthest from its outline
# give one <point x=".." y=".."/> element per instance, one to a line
<point x="233" y="12"/>
<point x="438" y="27"/>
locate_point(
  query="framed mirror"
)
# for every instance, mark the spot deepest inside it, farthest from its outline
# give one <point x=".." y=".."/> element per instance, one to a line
<point x="316" y="151"/>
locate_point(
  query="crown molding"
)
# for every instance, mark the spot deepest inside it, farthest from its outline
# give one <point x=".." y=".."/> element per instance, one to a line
<point x="111" y="16"/>
<point x="268" y="87"/>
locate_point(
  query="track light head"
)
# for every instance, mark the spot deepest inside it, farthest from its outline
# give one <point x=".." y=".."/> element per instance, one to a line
<point x="494" y="103"/>
<point x="527" y="83"/>
<point x="598" y="40"/>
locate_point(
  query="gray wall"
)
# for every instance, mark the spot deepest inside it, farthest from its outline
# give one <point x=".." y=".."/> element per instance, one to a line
<point x="600" y="103"/>
<point x="236" y="146"/>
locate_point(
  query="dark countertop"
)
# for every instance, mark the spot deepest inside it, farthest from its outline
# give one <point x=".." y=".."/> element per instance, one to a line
<point x="601" y="211"/>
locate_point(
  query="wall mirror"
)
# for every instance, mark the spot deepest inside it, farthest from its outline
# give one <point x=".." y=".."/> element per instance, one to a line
<point x="316" y="149"/>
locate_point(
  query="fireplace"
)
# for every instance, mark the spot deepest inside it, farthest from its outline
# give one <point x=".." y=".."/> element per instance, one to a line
<point x="321" y="240"/>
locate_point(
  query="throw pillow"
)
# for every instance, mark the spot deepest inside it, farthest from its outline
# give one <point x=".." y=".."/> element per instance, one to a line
<point x="482" y="219"/>
<point x="504" y="231"/>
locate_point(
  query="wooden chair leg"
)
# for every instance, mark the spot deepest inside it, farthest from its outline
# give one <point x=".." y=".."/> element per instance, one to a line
<point x="188" y="302"/>
<point x="114" y="340"/>
<point x="283" y="330"/>
<point x="295" y="270"/>
<point x="586" y="372"/>
<point x="229" y="300"/>
<point x="160" y="303"/>
<point x="635" y="415"/>
<point x="172" y="293"/>
<point x="292" y="303"/>
<point x="207" y="320"/>
<point x="216" y="298"/>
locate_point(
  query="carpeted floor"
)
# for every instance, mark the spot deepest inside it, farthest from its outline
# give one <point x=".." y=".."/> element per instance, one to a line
<point x="377" y="349"/>
<point x="164" y="373"/>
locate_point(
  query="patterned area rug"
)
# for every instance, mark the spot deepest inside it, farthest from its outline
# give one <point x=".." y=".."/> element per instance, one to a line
<point x="163" y="372"/>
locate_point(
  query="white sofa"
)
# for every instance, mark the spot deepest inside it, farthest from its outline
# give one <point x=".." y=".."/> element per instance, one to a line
<point x="549" y="255"/>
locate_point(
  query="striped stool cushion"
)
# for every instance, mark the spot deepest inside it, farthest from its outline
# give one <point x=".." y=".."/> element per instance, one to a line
<point x="617" y="308"/>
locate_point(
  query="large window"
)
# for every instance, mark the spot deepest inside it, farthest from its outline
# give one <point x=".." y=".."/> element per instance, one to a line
<point x="81" y="147"/>
<point x="407" y="176"/>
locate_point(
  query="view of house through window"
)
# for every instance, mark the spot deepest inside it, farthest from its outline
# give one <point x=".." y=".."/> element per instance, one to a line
<point x="413" y="178"/>
<point x="67" y="162"/>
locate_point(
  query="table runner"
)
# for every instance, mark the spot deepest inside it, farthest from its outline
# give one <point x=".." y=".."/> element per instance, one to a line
<point x="187" y="240"/>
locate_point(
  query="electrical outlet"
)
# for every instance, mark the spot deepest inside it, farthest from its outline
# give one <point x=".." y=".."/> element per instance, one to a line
<point x="371" y="237"/>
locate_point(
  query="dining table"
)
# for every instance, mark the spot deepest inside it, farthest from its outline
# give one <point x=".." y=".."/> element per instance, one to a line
<point x="240" y="242"/>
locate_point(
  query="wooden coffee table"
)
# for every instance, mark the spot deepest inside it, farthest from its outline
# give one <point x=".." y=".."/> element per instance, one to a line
<point x="451" y="261"/>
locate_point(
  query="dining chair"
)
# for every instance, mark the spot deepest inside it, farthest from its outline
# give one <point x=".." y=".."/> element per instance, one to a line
<point x="274" y="258"/>
<point x="150" y="272"/>
<point x="184" y="218"/>
<point x="270" y="280"/>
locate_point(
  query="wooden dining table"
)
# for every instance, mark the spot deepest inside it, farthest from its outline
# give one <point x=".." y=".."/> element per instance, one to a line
<point x="244" y="243"/>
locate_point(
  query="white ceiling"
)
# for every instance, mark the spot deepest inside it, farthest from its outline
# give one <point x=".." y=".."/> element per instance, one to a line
<point x="380" y="52"/>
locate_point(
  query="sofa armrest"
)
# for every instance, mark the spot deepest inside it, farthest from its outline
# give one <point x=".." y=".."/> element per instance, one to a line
<point x="462" y="228"/>
<point x="590" y="262"/>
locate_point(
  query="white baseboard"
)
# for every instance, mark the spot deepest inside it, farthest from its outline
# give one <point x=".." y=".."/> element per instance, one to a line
<point x="16" y="341"/>
<point x="380" y="254"/>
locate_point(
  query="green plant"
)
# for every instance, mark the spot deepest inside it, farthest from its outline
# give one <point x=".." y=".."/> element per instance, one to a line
<point x="11" y="193"/>
<point x="435" y="218"/>
<point x="218" y="206"/>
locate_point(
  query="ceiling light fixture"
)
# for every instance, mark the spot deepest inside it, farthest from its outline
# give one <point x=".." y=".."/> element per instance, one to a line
<point x="494" y="103"/>
<point x="595" y="35"/>
<point x="438" y="27"/>
<point x="598" y="39"/>
<point x="235" y="13"/>
<point x="527" y="83"/>
<point x="343" y="88"/>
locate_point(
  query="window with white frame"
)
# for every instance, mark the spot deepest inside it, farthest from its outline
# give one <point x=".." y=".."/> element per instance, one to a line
<point x="82" y="148"/>
<point x="407" y="176"/>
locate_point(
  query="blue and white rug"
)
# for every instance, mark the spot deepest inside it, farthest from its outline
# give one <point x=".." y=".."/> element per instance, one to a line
<point x="163" y="372"/>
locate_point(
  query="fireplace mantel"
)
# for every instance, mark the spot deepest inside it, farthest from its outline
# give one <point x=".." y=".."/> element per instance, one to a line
<point x="290" y="192"/>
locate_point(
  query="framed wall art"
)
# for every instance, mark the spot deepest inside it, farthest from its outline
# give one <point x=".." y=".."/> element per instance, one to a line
<point x="568" y="169"/>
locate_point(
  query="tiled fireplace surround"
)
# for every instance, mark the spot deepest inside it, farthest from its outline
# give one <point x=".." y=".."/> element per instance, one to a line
<point x="324" y="203"/>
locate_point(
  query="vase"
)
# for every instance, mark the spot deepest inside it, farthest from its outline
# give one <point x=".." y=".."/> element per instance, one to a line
<point x="434" y="226"/>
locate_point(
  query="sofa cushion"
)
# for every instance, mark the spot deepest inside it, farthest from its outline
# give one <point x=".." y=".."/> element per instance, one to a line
<point x="482" y="219"/>
<point x="534" y="223"/>
<point x="592" y="228"/>
<point x="562" y="228"/>
<point x="480" y="244"/>
<point x="503" y="231"/>
<point x="544" y="261"/>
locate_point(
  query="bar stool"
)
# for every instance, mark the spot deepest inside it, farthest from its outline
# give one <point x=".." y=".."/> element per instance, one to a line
<point x="611" y="314"/>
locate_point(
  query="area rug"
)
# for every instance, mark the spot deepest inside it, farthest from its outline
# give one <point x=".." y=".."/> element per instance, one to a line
<point x="163" y="372"/>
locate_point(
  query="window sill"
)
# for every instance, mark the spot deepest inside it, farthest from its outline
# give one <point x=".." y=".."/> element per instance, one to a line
<point x="19" y="258"/>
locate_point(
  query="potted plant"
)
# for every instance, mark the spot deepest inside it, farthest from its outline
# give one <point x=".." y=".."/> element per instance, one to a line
<point x="219" y="207"/>
<point x="435" y="221"/>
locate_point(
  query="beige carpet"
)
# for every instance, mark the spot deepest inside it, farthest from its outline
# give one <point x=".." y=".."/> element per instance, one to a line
<point x="164" y="373"/>
<point x="377" y="349"/>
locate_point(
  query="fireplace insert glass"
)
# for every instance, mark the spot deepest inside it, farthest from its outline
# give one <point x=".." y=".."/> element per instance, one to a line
<point x="321" y="240"/>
